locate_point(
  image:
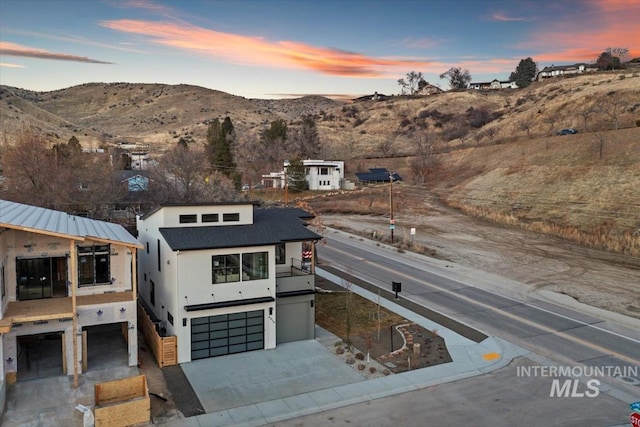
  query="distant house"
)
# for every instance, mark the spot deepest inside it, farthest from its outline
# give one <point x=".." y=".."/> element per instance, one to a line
<point x="134" y="180"/>
<point x="495" y="84"/>
<point x="426" y="88"/>
<point x="375" y="97"/>
<point x="377" y="175"/>
<point x="322" y="175"/>
<point x="563" y="70"/>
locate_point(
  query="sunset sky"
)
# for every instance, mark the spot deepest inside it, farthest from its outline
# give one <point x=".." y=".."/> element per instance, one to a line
<point x="275" y="48"/>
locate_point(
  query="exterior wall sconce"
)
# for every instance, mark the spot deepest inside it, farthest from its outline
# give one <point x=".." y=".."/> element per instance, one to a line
<point x="122" y="310"/>
<point x="270" y="311"/>
<point x="131" y="325"/>
<point x="99" y="313"/>
<point x="9" y="360"/>
<point x="113" y="280"/>
<point x="184" y="321"/>
<point x="311" y="304"/>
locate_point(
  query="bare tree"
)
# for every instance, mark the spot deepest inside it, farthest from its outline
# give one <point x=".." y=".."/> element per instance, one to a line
<point x="525" y="125"/>
<point x="412" y="83"/>
<point x="386" y="147"/>
<point x="31" y="172"/>
<point x="551" y="118"/>
<point x="491" y="133"/>
<point x="613" y="110"/>
<point x="421" y="161"/>
<point x="181" y="176"/>
<point x="586" y="112"/>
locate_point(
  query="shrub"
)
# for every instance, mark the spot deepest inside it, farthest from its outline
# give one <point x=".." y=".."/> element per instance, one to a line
<point x="359" y="356"/>
<point x="372" y="369"/>
<point x="361" y="366"/>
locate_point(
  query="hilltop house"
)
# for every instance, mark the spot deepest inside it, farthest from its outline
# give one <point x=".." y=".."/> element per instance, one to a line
<point x="493" y="85"/>
<point x="228" y="277"/>
<point x="564" y="70"/>
<point x="319" y="174"/>
<point x="62" y="278"/>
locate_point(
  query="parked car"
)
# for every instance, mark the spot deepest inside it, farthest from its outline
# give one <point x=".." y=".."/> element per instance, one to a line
<point x="567" y="131"/>
<point x="246" y="187"/>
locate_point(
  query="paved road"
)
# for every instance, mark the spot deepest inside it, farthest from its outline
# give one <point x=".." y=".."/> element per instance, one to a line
<point x="498" y="399"/>
<point x="562" y="334"/>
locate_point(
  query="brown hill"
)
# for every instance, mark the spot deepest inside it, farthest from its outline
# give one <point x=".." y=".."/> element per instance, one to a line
<point x="491" y="153"/>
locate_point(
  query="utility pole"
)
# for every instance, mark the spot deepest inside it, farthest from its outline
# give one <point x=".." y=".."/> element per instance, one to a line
<point x="392" y="222"/>
<point x="286" y="189"/>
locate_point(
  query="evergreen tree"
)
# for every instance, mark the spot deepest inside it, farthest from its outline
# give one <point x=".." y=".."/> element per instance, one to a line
<point x="296" y="176"/>
<point x="220" y="139"/>
<point x="525" y="72"/>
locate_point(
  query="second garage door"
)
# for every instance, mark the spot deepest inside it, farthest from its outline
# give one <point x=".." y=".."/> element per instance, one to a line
<point x="226" y="334"/>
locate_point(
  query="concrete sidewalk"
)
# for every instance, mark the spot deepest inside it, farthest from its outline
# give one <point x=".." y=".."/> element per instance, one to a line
<point x="302" y="378"/>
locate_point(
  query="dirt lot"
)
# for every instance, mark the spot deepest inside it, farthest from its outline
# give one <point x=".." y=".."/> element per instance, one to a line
<point x="593" y="277"/>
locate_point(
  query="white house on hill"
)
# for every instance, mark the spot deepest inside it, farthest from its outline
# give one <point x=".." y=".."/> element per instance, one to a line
<point x="319" y="174"/>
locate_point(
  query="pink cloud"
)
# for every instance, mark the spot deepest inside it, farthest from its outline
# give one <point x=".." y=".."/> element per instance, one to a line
<point x="12" y="49"/>
<point x="257" y="51"/>
<point x="605" y="23"/>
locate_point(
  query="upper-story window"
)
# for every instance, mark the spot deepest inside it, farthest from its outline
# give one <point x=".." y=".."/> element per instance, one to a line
<point x="188" y="219"/>
<point x="255" y="266"/>
<point x="324" y="171"/>
<point x="225" y="268"/>
<point x="94" y="265"/>
<point x="230" y="217"/>
<point x="281" y="253"/>
<point x="210" y="217"/>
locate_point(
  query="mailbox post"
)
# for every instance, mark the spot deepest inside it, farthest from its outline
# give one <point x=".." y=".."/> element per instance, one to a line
<point x="396" y="287"/>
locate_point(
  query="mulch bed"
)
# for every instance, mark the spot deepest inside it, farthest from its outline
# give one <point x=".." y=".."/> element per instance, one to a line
<point x="385" y="345"/>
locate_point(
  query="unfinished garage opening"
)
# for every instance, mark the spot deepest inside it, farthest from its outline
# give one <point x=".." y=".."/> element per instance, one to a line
<point x="105" y="346"/>
<point x="40" y="356"/>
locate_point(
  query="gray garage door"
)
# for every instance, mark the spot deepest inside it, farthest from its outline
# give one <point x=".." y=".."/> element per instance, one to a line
<point x="226" y="334"/>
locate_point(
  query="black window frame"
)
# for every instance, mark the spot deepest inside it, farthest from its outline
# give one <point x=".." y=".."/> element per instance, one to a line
<point x="188" y="219"/>
<point x="231" y="217"/>
<point x="212" y="217"/>
<point x="281" y="253"/>
<point x="93" y="256"/>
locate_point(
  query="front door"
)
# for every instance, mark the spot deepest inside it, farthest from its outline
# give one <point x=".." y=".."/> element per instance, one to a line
<point x="41" y="278"/>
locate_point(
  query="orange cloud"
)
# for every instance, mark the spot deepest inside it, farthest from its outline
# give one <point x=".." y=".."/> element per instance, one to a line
<point x="257" y="51"/>
<point x="12" y="49"/>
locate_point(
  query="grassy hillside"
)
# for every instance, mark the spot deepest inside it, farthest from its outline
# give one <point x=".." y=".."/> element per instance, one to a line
<point x="493" y="154"/>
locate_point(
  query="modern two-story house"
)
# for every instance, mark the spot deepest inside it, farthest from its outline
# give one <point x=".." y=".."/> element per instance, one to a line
<point x="62" y="276"/>
<point x="227" y="278"/>
<point x="319" y="174"/>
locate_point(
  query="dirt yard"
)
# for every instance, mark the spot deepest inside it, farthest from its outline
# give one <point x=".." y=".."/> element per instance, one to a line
<point x="593" y="277"/>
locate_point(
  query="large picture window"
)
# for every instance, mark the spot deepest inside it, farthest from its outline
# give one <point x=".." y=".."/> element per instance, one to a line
<point x="93" y="265"/>
<point x="255" y="266"/>
<point x="225" y="268"/>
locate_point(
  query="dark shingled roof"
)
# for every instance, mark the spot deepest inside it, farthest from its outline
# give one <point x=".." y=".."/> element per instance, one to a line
<point x="270" y="226"/>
